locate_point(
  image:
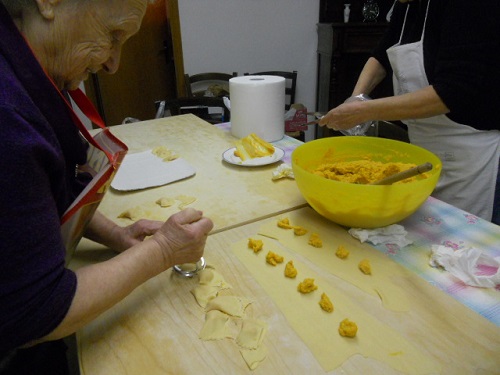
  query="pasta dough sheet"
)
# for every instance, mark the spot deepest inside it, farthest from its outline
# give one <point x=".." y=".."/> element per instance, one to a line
<point x="223" y="310"/>
<point x="254" y="357"/>
<point x="380" y="283"/>
<point x="215" y="327"/>
<point x="319" y="329"/>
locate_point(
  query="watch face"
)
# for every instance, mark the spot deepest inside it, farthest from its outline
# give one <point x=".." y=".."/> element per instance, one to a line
<point x="370" y="11"/>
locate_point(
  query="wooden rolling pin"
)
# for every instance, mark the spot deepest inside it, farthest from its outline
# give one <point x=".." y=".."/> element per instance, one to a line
<point x="419" y="169"/>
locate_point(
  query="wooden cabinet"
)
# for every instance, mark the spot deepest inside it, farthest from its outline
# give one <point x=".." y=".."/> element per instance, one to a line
<point x="343" y="49"/>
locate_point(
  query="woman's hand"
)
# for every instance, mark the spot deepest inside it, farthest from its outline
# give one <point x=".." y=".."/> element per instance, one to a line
<point x="105" y="231"/>
<point x="346" y="116"/>
<point x="422" y="103"/>
<point x="182" y="238"/>
<point x="183" y="235"/>
<point x="134" y="233"/>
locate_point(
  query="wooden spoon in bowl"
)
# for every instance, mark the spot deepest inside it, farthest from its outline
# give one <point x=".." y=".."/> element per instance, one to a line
<point x="419" y="169"/>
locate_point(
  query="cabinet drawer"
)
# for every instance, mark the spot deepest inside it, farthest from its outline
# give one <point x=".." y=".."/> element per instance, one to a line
<point x="360" y="40"/>
<point x="356" y="38"/>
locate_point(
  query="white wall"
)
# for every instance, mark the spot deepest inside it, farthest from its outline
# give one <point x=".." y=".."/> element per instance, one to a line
<point x="250" y="36"/>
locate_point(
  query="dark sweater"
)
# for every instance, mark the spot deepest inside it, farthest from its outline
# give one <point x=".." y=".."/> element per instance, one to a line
<point x="39" y="147"/>
<point x="461" y="49"/>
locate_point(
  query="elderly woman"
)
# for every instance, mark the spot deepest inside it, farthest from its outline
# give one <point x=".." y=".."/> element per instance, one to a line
<point x="47" y="47"/>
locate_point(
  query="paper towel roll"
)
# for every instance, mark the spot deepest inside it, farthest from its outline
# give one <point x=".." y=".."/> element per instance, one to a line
<point x="258" y="106"/>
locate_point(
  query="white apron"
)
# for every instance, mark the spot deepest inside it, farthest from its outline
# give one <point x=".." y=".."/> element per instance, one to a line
<point x="470" y="157"/>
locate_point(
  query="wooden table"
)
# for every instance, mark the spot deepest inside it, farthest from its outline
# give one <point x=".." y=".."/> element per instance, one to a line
<point x="230" y="195"/>
<point x="155" y="329"/>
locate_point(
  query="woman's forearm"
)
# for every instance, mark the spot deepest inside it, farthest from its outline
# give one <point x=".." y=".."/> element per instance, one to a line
<point x="181" y="239"/>
<point x="372" y="74"/>
<point x="102" y="230"/>
<point x="418" y="104"/>
<point x="423" y="103"/>
<point x="102" y="285"/>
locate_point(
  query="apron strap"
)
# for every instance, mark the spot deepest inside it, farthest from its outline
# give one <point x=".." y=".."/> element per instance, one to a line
<point x="88" y="109"/>
<point x="404" y="22"/>
<point x="425" y="20"/>
<point x="86" y="106"/>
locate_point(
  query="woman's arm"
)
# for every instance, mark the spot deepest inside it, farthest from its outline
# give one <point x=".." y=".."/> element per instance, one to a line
<point x="372" y="74"/>
<point x="118" y="238"/>
<point x="180" y="240"/>
<point x="419" y="104"/>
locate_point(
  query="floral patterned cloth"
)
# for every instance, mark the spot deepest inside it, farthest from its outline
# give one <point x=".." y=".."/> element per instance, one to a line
<point x="438" y="223"/>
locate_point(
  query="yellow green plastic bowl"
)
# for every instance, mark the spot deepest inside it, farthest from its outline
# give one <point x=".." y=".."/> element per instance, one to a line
<point x="356" y="205"/>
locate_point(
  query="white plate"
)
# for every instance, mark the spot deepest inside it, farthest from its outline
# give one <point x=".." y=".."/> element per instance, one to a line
<point x="229" y="157"/>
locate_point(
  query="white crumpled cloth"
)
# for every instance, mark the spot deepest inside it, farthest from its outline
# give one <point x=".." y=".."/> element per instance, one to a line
<point x="464" y="264"/>
<point x="283" y="171"/>
<point x="391" y="234"/>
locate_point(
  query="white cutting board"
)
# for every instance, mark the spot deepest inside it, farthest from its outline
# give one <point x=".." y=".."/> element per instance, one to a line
<point x="144" y="169"/>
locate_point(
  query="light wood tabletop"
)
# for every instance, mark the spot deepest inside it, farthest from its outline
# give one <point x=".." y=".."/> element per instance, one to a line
<point x="155" y="330"/>
<point x="230" y="195"/>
